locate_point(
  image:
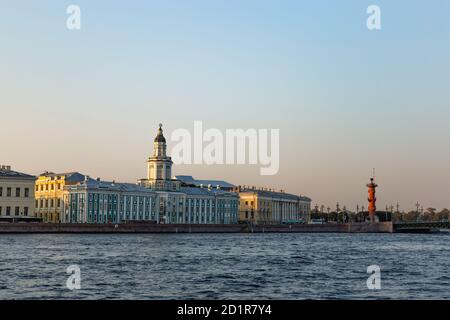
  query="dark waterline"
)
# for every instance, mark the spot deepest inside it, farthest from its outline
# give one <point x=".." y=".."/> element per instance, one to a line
<point x="225" y="266"/>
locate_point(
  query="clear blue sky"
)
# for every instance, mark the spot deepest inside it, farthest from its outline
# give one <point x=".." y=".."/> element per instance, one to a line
<point x="346" y="99"/>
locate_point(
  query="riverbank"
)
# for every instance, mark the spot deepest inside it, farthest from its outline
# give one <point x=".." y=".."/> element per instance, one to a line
<point x="382" y="227"/>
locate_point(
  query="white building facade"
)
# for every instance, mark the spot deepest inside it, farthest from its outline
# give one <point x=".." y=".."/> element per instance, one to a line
<point x="16" y="194"/>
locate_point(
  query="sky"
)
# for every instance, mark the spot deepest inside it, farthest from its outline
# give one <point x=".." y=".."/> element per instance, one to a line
<point x="346" y="99"/>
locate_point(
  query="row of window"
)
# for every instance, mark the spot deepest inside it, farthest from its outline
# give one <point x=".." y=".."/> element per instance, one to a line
<point x="48" y="187"/>
<point x="105" y="208"/>
<point x="18" y="192"/>
<point x="17" y="211"/>
<point x="47" y="203"/>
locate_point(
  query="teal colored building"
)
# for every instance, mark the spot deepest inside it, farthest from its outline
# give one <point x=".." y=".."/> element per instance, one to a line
<point x="93" y="201"/>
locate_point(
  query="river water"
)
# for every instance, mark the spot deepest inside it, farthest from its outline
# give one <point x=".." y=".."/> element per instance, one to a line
<point x="225" y="266"/>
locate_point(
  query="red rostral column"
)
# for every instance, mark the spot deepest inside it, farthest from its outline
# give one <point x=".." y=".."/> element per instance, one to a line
<point x="372" y="199"/>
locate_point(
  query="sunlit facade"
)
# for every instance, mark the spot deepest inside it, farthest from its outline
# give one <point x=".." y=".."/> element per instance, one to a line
<point x="49" y="191"/>
<point x="266" y="206"/>
<point x="16" y="194"/>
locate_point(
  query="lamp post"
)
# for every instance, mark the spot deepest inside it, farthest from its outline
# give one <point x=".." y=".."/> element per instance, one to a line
<point x="417" y="210"/>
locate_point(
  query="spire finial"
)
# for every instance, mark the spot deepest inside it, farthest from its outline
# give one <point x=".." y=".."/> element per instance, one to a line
<point x="159" y="135"/>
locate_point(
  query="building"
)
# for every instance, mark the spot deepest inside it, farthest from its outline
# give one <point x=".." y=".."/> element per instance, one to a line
<point x="95" y="201"/>
<point x="198" y="206"/>
<point x="16" y="194"/>
<point x="159" y="198"/>
<point x="182" y="201"/>
<point x="159" y="167"/>
<point x="266" y="206"/>
<point x="49" y="190"/>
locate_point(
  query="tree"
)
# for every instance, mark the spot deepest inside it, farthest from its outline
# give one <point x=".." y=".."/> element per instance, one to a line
<point x="443" y="215"/>
<point x="397" y="216"/>
<point x="411" y="216"/>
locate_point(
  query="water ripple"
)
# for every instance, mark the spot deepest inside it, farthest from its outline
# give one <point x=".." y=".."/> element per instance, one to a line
<point x="225" y="266"/>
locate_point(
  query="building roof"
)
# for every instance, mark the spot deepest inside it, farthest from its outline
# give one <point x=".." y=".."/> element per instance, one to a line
<point x="70" y="176"/>
<point x="93" y="184"/>
<point x="11" y="174"/>
<point x="275" y="194"/>
<point x="193" y="191"/>
<point x="189" y="180"/>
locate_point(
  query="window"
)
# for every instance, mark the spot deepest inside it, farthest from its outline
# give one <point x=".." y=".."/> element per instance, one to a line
<point x="27" y="192"/>
<point x="59" y="186"/>
<point x="17" y="211"/>
<point x="46" y="203"/>
<point x="8" y="211"/>
<point x="37" y="204"/>
<point x="53" y="187"/>
<point x="1" y="191"/>
<point x="8" y="192"/>
<point x="0" y="211"/>
<point x="37" y="188"/>
<point x="17" y="192"/>
<point x="59" y="203"/>
<point x="42" y="187"/>
<point x="25" y="211"/>
<point x="51" y="203"/>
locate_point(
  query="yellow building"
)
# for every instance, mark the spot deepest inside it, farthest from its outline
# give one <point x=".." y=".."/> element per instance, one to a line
<point x="266" y="206"/>
<point x="49" y="192"/>
<point x="16" y="194"/>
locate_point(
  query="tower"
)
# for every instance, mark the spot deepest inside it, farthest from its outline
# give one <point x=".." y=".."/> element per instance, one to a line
<point x="159" y="166"/>
<point x="372" y="208"/>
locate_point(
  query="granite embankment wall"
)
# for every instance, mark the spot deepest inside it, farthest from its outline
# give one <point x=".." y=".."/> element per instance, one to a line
<point x="383" y="227"/>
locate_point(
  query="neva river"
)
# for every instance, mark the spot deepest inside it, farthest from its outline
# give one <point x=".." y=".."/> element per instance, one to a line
<point x="225" y="266"/>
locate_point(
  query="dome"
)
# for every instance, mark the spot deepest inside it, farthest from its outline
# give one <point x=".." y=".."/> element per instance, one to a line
<point x="160" y="136"/>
